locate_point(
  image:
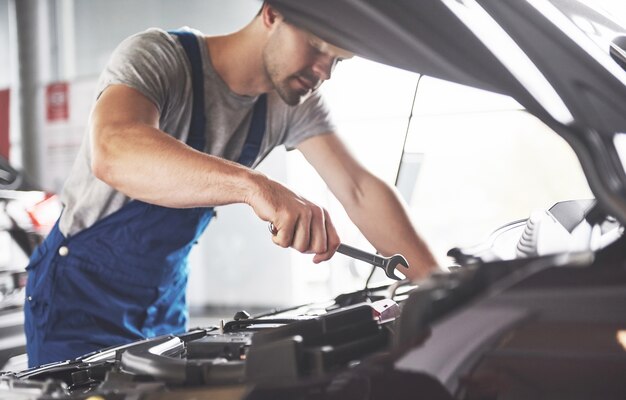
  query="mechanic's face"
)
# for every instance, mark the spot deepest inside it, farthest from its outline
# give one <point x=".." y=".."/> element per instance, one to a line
<point x="298" y="62"/>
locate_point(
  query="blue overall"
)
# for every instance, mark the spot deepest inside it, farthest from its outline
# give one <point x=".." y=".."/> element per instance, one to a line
<point x="125" y="277"/>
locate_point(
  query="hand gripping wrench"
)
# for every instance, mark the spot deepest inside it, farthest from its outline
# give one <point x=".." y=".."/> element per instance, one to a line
<point x="388" y="264"/>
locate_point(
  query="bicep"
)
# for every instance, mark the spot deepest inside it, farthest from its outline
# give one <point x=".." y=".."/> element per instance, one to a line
<point x="120" y="105"/>
<point x="117" y="114"/>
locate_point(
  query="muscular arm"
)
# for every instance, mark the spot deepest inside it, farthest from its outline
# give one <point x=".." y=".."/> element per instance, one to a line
<point x="132" y="155"/>
<point x="371" y="204"/>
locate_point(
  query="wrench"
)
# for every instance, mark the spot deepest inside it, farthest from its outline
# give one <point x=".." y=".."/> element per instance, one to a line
<point x="388" y="264"/>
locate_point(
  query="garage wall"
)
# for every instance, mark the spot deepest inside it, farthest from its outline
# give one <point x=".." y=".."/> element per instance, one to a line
<point x="101" y="24"/>
<point x="5" y="78"/>
<point x="5" y="65"/>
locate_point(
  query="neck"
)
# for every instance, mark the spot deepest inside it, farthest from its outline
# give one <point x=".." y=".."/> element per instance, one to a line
<point x="238" y="60"/>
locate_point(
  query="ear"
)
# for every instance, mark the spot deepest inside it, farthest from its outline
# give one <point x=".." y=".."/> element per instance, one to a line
<point x="270" y="15"/>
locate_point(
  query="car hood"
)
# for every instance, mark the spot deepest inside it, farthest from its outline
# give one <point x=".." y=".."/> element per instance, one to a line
<point x="530" y="50"/>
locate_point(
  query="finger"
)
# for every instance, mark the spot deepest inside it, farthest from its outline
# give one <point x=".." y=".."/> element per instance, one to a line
<point x="284" y="233"/>
<point x="333" y="241"/>
<point x="319" y="237"/>
<point x="302" y="233"/>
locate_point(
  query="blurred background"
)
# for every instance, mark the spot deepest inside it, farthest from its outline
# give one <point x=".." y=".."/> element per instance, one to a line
<point x="466" y="161"/>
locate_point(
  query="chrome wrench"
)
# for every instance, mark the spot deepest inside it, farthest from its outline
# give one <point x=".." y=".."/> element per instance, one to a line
<point x="388" y="264"/>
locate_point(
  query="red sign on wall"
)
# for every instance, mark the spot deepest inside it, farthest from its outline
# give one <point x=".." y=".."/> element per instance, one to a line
<point x="4" y="123"/>
<point x="57" y="102"/>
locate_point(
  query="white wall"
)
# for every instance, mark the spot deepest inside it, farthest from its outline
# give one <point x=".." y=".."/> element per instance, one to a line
<point x="236" y="263"/>
<point x="5" y="65"/>
<point x="101" y="24"/>
<point x="486" y="162"/>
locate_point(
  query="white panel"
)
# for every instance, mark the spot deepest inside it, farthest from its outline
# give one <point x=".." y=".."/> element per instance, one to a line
<point x="236" y="262"/>
<point x="364" y="90"/>
<point x="437" y="96"/>
<point x="485" y="168"/>
<point x="96" y="36"/>
<point x="62" y="140"/>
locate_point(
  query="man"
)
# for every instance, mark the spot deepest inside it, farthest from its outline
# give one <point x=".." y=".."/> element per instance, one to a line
<point x="179" y="123"/>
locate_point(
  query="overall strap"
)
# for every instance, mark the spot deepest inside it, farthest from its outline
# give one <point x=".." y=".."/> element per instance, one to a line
<point x="252" y="146"/>
<point x="189" y="41"/>
<point x="196" y="139"/>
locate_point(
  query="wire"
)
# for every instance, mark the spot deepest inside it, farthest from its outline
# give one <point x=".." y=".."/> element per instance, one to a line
<point x="369" y="278"/>
<point x="406" y="135"/>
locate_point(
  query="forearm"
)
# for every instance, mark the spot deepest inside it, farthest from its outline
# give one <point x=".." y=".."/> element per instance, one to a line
<point x="383" y="219"/>
<point x="372" y="205"/>
<point x="131" y="154"/>
<point x="146" y="164"/>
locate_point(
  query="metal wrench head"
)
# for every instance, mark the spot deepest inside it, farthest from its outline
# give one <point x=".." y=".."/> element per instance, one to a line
<point x="391" y="263"/>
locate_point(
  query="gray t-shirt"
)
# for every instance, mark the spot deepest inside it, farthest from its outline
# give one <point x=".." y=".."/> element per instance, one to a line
<point x="154" y="63"/>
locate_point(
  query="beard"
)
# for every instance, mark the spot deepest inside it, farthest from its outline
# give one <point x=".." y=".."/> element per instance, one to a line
<point x="292" y="89"/>
<point x="294" y="96"/>
<point x="290" y="95"/>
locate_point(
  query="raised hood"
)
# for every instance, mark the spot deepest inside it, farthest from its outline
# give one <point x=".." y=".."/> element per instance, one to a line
<point x="530" y="50"/>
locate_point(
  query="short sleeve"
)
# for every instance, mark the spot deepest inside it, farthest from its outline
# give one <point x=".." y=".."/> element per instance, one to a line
<point x="149" y="62"/>
<point x="308" y="119"/>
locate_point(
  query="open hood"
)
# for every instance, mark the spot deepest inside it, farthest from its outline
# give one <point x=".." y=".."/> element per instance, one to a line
<point x="531" y="50"/>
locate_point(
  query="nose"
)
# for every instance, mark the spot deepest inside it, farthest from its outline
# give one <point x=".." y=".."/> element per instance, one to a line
<point x="323" y="67"/>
